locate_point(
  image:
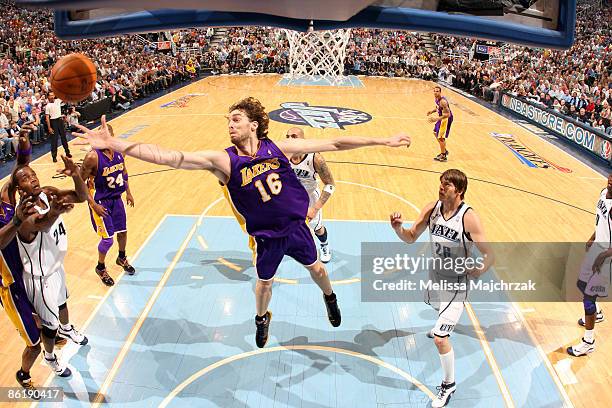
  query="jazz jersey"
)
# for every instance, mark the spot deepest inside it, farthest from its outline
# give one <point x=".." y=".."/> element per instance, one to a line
<point x="305" y="172"/>
<point x="603" y="224"/>
<point x="265" y="193"/>
<point x="44" y="256"/>
<point x="448" y="236"/>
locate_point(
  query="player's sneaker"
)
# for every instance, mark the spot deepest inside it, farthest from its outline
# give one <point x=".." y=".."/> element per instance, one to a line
<point x="333" y="311"/>
<point x="599" y="317"/>
<point x="25" y="381"/>
<point x="57" y="367"/>
<point x="581" y="349"/>
<point x="123" y="262"/>
<point x="445" y="391"/>
<point x="73" y="335"/>
<point x="261" y="335"/>
<point x="442" y="157"/>
<point x="325" y="253"/>
<point x="104" y="277"/>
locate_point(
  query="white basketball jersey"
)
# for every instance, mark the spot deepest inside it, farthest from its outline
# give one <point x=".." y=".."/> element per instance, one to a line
<point x="448" y="237"/>
<point x="45" y="254"/>
<point x="603" y="224"/>
<point x="307" y="175"/>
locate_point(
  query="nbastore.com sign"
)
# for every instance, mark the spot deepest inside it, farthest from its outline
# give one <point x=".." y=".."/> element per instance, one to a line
<point x="590" y="139"/>
<point x="320" y="117"/>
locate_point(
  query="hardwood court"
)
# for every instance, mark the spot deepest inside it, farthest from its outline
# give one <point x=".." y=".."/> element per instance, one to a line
<point x="516" y="203"/>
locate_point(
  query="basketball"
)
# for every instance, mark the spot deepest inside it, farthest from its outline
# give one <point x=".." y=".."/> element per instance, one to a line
<point x="73" y="78"/>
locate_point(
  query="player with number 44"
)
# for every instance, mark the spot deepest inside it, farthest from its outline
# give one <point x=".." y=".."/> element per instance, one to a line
<point x="107" y="179"/>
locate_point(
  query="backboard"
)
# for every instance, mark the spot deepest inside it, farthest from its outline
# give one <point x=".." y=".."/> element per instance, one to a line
<point x="539" y="23"/>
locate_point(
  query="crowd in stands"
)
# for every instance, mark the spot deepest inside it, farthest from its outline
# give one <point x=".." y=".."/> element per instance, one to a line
<point x="576" y="82"/>
<point x="249" y="49"/>
<point x="29" y="48"/>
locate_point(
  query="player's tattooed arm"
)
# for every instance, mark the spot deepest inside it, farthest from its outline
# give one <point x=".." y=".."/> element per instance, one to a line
<point x="326" y="177"/>
<point x="202" y="160"/>
<point x="216" y="162"/>
<point x="445" y="109"/>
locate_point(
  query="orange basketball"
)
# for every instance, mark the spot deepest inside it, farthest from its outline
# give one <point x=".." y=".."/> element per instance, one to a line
<point x="73" y="78"/>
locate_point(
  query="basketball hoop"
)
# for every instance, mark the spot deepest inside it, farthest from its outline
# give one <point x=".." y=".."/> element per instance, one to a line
<point x="316" y="55"/>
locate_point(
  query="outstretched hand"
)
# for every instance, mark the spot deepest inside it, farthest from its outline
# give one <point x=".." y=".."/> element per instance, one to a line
<point x="70" y="168"/>
<point x="396" y="220"/>
<point x="98" y="139"/>
<point x="398" y="140"/>
<point x="58" y="206"/>
<point x="26" y="209"/>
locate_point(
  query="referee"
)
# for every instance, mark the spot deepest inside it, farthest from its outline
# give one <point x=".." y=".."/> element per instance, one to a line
<point x="55" y="125"/>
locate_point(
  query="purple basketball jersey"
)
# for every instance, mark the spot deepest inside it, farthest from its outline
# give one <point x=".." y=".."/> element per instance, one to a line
<point x="266" y="192"/>
<point x="11" y="268"/>
<point x="110" y="179"/>
<point x="440" y="108"/>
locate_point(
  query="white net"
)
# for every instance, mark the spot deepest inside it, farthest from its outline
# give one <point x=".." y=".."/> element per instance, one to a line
<point x="316" y="55"/>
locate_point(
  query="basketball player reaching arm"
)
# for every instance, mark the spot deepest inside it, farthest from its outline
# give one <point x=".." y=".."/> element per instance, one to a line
<point x="306" y="168"/>
<point x="265" y="193"/>
<point x="106" y="172"/>
<point x="454" y="227"/>
<point x="49" y="298"/>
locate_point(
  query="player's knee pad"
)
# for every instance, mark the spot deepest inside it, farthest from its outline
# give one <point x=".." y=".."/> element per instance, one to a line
<point x="105" y="244"/>
<point x="49" y="333"/>
<point x="590" y="307"/>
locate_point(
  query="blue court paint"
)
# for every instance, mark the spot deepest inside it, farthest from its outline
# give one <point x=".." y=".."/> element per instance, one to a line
<point x="197" y="323"/>
<point x="119" y="313"/>
<point x="132" y="131"/>
<point x="350" y="81"/>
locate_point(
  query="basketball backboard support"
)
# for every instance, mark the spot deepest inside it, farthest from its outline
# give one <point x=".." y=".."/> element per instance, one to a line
<point x="538" y="23"/>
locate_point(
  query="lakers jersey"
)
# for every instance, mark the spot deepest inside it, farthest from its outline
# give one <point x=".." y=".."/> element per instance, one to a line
<point x="305" y="172"/>
<point x="110" y="179"/>
<point x="10" y="261"/>
<point x="603" y="224"/>
<point x="440" y="107"/>
<point x="265" y="193"/>
<point x="448" y="236"/>
<point x="45" y="254"/>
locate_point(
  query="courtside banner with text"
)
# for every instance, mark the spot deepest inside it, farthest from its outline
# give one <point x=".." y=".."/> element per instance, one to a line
<point x="582" y="135"/>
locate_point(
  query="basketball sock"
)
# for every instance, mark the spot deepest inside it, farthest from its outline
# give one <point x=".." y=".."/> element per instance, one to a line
<point x="101" y="266"/>
<point x="122" y="254"/>
<point x="589" y="335"/>
<point x="323" y="238"/>
<point x="331" y="297"/>
<point x="48" y="356"/>
<point x="66" y="327"/>
<point x="448" y="366"/>
<point x="22" y="375"/>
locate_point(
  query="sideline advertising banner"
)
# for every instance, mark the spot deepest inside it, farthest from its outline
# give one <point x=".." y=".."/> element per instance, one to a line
<point x="592" y="140"/>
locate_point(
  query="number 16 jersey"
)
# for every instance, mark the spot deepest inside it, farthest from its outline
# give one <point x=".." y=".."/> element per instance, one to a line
<point x="265" y="193"/>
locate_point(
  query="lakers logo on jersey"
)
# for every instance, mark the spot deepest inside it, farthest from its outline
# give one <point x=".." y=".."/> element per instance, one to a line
<point x="249" y="173"/>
